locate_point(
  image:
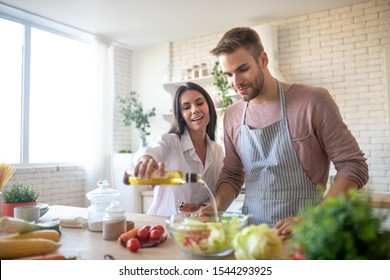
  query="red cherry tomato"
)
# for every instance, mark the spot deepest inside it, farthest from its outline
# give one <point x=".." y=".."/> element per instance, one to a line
<point x="298" y="256"/>
<point x="155" y="234"/>
<point x="133" y="245"/>
<point x="143" y="234"/>
<point x="147" y="227"/>
<point x="159" y="227"/>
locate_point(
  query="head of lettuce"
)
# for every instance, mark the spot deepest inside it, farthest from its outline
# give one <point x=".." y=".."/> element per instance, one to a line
<point x="257" y="242"/>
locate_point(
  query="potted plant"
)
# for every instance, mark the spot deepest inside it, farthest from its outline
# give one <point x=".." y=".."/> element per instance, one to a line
<point x="133" y="113"/>
<point x="222" y="86"/>
<point x="18" y="194"/>
<point x="343" y="227"/>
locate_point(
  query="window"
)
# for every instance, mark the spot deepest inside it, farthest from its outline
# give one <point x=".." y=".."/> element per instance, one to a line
<point x="45" y="88"/>
<point x="11" y="50"/>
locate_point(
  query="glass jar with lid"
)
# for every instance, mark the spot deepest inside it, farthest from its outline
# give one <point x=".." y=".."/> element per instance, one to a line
<point x="114" y="221"/>
<point x="203" y="70"/>
<point x="100" y="199"/>
<point x="188" y="75"/>
<point x="195" y="71"/>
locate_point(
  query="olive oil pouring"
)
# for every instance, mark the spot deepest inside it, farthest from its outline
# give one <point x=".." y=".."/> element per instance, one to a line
<point x="171" y="178"/>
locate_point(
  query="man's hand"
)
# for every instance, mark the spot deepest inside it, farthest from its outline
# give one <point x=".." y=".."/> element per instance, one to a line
<point x="284" y="227"/>
<point x="188" y="207"/>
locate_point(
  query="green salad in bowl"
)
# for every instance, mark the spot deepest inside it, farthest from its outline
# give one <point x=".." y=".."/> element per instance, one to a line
<point x="206" y="236"/>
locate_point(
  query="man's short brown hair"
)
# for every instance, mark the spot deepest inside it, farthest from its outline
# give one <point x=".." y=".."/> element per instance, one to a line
<point x="239" y="37"/>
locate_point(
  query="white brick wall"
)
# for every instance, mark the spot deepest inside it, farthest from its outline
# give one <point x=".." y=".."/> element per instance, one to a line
<point x="342" y="50"/>
<point x="123" y="75"/>
<point x="186" y="54"/>
<point x="57" y="184"/>
<point x="348" y="61"/>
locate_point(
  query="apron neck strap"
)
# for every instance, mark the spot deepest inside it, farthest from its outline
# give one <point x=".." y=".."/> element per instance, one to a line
<point x="282" y="101"/>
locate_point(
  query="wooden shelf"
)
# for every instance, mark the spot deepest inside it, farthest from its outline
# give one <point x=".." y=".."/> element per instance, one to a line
<point x="171" y="87"/>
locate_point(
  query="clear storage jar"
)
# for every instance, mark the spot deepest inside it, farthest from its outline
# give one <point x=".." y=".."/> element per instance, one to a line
<point x="100" y="199"/>
<point x="195" y="71"/>
<point x="203" y="70"/>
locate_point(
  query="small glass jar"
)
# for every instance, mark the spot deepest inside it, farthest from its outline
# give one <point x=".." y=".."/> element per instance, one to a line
<point x="188" y="75"/>
<point x="114" y="221"/>
<point x="203" y="70"/>
<point x="195" y="71"/>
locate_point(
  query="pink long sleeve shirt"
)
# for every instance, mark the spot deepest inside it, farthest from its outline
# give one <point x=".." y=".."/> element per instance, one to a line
<point x="318" y="133"/>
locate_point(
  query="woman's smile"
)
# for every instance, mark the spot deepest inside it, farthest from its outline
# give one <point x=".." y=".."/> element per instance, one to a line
<point x="197" y="119"/>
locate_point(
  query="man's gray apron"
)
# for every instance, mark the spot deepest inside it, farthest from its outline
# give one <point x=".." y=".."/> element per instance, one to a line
<point x="276" y="185"/>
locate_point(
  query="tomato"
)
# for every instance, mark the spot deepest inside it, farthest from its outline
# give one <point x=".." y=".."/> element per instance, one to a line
<point x="133" y="245"/>
<point x="143" y="234"/>
<point x="159" y="227"/>
<point x="190" y="241"/>
<point x="298" y="256"/>
<point x="147" y="227"/>
<point x="155" y="234"/>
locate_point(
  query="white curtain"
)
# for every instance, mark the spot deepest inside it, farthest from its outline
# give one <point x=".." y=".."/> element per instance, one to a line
<point x="101" y="121"/>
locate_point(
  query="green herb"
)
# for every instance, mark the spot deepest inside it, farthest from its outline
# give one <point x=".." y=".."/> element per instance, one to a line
<point x="133" y="112"/>
<point x="124" y="151"/>
<point x="343" y="227"/>
<point x="20" y="192"/>
<point x="222" y="86"/>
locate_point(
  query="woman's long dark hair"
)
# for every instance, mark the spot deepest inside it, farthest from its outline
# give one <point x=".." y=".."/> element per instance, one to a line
<point x="178" y="123"/>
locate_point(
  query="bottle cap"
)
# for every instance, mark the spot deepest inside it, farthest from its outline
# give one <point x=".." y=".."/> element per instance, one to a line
<point x="192" y="177"/>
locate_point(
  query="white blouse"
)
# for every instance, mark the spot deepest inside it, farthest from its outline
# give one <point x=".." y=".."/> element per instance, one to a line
<point x="180" y="154"/>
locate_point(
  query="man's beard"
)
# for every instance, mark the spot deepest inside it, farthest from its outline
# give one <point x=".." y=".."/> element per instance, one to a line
<point x="255" y="87"/>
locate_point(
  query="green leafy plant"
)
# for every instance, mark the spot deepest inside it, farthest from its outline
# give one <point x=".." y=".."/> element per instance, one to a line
<point x="124" y="151"/>
<point x="343" y="227"/>
<point x="20" y="192"/>
<point x="222" y="86"/>
<point x="133" y="113"/>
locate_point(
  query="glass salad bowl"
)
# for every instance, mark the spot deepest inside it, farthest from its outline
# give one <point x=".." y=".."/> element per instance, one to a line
<point x="207" y="236"/>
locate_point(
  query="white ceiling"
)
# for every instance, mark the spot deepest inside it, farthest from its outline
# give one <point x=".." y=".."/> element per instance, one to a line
<point x="141" y="23"/>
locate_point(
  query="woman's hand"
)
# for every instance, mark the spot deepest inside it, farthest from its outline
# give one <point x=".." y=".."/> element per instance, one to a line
<point x="147" y="165"/>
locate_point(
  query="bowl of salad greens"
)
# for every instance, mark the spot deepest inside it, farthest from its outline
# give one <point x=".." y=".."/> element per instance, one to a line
<point x="207" y="236"/>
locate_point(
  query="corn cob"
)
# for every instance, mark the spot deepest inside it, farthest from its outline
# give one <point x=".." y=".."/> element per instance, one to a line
<point x="10" y="224"/>
<point x="50" y="234"/>
<point x="20" y="248"/>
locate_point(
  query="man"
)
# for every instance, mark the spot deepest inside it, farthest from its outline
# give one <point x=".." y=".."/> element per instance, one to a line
<point x="280" y="138"/>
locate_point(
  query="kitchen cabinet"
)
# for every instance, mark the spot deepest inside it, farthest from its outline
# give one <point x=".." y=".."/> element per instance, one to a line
<point x="147" y="199"/>
<point x="130" y="197"/>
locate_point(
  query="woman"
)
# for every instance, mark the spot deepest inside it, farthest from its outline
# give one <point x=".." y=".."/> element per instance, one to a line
<point x="188" y="146"/>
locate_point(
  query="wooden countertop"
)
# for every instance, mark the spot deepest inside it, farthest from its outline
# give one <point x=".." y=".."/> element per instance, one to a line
<point x="87" y="245"/>
<point x="380" y="200"/>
